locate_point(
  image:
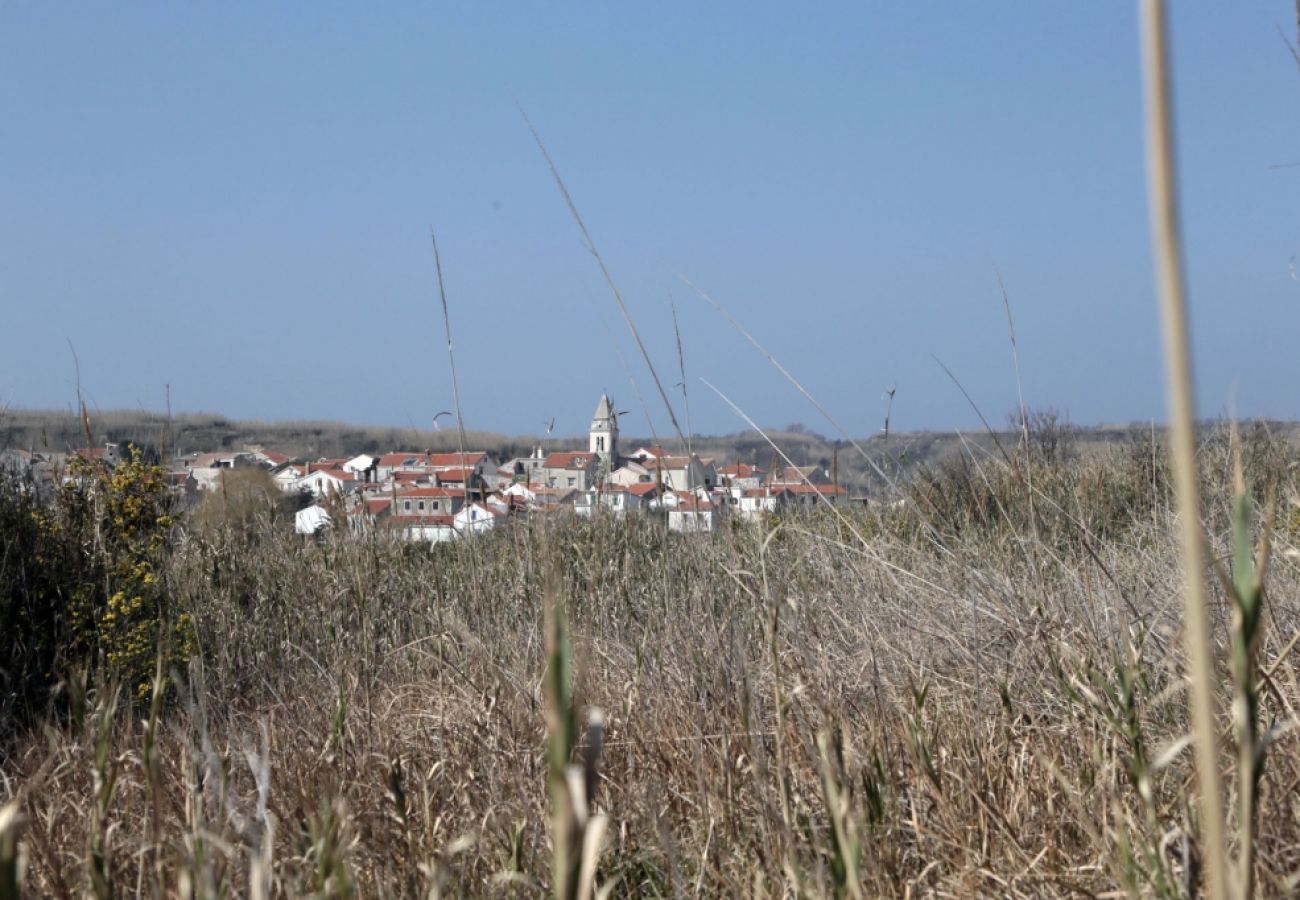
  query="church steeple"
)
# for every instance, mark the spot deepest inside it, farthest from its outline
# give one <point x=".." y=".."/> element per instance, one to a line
<point x="604" y="433"/>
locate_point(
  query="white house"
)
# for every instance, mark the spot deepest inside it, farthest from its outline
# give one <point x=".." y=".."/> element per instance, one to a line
<point x="433" y="529"/>
<point x="323" y="482"/>
<point x="633" y="472"/>
<point x="741" y="475"/>
<point x="692" y="514"/>
<point x="206" y="468"/>
<point x="476" y="518"/>
<point x="615" y="499"/>
<point x="753" y="503"/>
<point x="362" y="468"/>
<point x="682" y="473"/>
<point x="286" y="477"/>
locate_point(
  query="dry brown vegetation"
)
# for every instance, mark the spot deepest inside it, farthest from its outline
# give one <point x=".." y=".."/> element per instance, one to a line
<point x="979" y="689"/>
<point x="978" y="692"/>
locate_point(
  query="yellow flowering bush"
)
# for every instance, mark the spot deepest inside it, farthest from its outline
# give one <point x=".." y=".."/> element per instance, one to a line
<point x="89" y="587"/>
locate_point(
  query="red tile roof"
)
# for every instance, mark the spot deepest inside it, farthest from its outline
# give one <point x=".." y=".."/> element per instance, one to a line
<point x="395" y="460"/>
<point x="326" y="466"/>
<point x="470" y="459"/>
<point x="339" y="474"/>
<point x="793" y="474"/>
<point x="569" y="460"/>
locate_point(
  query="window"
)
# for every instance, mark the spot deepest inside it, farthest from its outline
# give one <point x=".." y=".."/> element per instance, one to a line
<point x="600" y="444"/>
<point x="421" y="506"/>
<point x="437" y="504"/>
<point x="572" y="482"/>
<point x="406" y="505"/>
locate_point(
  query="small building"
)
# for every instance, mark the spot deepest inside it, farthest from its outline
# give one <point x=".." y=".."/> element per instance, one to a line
<point x="390" y="464"/>
<point x="477" y="518"/>
<point x="690" y="514"/>
<point x="784" y="475"/>
<point x="575" y="470"/>
<point x="633" y="472"/>
<point x="431" y="529"/>
<point x="811" y="496"/>
<point x="614" y="499"/>
<point x="753" y="503"/>
<point x="685" y="473"/>
<point x="740" y="475"/>
<point x="326" y="482"/>
<point x="363" y="468"/>
<point x="427" y="501"/>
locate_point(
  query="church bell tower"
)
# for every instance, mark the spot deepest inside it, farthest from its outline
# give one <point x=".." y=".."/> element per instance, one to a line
<point x="604" y="433"/>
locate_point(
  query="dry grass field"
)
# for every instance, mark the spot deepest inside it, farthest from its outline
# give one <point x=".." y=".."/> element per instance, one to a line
<point x="977" y="691"/>
<point x="1018" y="674"/>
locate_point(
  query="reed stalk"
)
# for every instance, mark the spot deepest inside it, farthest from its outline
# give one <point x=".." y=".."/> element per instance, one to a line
<point x="1167" y="249"/>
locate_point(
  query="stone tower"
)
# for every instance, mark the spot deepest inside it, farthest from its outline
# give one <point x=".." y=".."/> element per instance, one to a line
<point x="604" y="433"/>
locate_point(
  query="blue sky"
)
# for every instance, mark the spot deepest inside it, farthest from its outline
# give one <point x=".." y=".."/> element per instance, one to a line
<point x="235" y="200"/>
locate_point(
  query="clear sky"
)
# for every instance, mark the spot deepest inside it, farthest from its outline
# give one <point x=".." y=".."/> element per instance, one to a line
<point x="234" y="199"/>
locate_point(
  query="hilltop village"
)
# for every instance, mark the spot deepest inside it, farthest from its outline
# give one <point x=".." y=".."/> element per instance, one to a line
<point x="435" y="497"/>
<point x="428" y="496"/>
<point x="439" y="496"/>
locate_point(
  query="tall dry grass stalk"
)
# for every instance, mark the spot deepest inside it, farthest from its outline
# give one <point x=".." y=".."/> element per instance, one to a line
<point x="609" y="279"/>
<point x="12" y="853"/>
<point x="1167" y="248"/>
<point x="451" y="358"/>
<point x="577" y="831"/>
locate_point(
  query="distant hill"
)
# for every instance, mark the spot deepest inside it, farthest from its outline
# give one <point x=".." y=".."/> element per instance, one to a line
<point x="899" y="456"/>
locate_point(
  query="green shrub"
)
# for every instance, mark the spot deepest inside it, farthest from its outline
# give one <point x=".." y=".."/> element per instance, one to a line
<point x="81" y="580"/>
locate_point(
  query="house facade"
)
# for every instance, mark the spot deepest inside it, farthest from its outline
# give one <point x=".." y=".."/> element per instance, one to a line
<point x="570" y="470"/>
